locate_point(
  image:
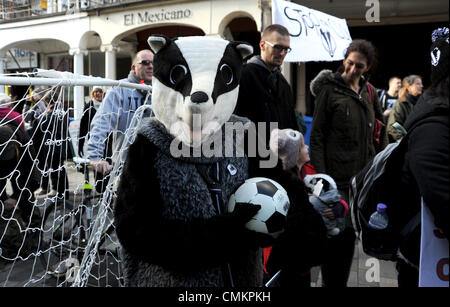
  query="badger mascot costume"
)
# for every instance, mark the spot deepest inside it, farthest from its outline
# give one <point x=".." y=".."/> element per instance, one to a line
<point x="179" y="174"/>
<point x="170" y="212"/>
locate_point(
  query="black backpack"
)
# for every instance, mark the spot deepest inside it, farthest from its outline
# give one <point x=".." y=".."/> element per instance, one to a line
<point x="380" y="182"/>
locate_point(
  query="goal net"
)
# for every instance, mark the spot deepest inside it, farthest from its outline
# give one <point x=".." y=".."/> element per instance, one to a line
<point x="56" y="213"/>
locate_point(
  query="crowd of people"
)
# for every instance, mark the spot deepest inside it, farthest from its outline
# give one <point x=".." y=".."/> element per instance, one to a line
<point x="352" y="122"/>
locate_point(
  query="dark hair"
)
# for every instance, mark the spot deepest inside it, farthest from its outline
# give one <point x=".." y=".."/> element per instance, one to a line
<point x="275" y="28"/>
<point x="365" y="48"/>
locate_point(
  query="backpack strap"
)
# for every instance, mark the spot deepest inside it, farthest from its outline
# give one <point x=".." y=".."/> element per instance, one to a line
<point x="378" y="124"/>
<point x="383" y="92"/>
<point x="213" y="183"/>
<point x="212" y="179"/>
<point x="383" y="98"/>
<point x="411" y="225"/>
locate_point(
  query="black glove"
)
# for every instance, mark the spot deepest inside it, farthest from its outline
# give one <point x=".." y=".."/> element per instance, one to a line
<point x="338" y="209"/>
<point x="242" y="214"/>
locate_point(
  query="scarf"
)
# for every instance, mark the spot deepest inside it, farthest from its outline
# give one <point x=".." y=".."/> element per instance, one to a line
<point x="273" y="76"/>
<point x="96" y="104"/>
<point x="134" y="79"/>
<point x="412" y="99"/>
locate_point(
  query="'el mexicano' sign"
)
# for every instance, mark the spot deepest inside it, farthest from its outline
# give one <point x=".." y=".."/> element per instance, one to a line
<point x="154" y="17"/>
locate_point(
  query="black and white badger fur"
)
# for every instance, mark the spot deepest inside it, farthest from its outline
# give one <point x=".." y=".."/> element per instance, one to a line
<point x="171" y="225"/>
<point x="196" y="76"/>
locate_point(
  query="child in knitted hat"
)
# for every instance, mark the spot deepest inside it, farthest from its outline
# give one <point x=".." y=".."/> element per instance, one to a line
<point x="291" y="149"/>
<point x="286" y="144"/>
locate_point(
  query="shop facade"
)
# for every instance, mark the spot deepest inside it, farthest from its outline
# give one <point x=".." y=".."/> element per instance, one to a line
<point x="102" y="40"/>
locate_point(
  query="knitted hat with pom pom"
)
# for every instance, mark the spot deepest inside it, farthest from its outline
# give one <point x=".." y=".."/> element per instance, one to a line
<point x="286" y="143"/>
<point x="439" y="55"/>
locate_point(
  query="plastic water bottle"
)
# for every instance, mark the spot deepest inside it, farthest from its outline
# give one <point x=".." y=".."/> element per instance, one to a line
<point x="379" y="219"/>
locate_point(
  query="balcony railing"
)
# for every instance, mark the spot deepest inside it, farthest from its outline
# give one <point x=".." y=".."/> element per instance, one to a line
<point x="19" y="9"/>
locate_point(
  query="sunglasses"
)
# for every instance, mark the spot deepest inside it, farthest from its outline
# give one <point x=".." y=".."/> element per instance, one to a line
<point x="146" y="62"/>
<point x="279" y="48"/>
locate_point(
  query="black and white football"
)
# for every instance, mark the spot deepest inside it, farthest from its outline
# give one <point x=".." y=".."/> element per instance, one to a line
<point x="274" y="201"/>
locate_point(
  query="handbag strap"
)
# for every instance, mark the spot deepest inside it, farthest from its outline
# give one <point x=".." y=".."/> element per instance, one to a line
<point x="370" y="90"/>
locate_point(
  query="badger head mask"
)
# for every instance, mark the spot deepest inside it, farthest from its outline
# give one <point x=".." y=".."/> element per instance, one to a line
<point x="195" y="84"/>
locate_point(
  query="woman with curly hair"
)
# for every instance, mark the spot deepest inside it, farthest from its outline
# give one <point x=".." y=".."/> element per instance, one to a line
<point x="346" y="115"/>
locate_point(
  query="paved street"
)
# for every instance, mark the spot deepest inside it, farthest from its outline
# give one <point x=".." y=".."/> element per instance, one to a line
<point x="364" y="272"/>
<point x="360" y="266"/>
<point x="32" y="272"/>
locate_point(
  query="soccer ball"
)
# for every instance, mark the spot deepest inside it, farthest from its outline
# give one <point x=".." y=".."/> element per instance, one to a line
<point x="274" y="202"/>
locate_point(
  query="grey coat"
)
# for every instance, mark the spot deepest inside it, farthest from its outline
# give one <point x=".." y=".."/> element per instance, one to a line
<point x="169" y="226"/>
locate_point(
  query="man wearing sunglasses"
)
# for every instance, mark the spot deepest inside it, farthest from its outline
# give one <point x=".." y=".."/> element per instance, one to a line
<point x="266" y="97"/>
<point x="264" y="94"/>
<point x="117" y="110"/>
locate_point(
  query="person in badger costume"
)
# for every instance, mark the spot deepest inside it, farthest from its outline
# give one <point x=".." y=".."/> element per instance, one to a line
<point x="170" y="213"/>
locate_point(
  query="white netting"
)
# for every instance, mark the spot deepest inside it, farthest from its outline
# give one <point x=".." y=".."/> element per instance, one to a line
<point x="56" y="218"/>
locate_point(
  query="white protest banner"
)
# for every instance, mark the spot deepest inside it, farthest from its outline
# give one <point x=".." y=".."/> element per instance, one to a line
<point x="434" y="267"/>
<point x="315" y="36"/>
